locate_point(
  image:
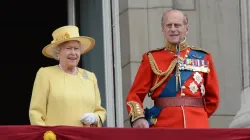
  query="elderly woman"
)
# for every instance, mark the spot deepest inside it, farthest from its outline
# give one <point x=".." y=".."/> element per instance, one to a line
<point x="65" y="94"/>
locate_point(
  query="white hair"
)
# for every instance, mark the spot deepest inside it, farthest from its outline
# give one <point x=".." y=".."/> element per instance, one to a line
<point x="171" y="10"/>
<point x="55" y="52"/>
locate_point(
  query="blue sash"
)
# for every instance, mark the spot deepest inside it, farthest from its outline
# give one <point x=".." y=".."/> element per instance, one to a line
<point x="170" y="88"/>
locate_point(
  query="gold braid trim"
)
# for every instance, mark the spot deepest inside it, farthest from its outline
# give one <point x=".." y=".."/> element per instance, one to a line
<point x="198" y="49"/>
<point x="158" y="72"/>
<point x="136" y="111"/>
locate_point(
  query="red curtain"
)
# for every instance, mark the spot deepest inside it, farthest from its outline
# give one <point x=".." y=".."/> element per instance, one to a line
<point x="79" y="133"/>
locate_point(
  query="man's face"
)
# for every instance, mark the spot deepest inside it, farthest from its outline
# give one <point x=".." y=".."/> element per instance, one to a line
<point x="173" y="27"/>
<point x="69" y="54"/>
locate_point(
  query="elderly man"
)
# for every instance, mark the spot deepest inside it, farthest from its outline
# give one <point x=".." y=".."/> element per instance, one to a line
<point x="181" y="79"/>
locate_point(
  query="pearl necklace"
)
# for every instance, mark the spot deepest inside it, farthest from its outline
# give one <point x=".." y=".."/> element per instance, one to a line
<point x="75" y="72"/>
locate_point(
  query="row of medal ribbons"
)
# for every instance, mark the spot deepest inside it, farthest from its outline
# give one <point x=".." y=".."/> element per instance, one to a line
<point x="194" y="65"/>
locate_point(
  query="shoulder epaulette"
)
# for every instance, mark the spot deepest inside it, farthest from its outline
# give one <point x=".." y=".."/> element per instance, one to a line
<point x="198" y="49"/>
<point x="155" y="50"/>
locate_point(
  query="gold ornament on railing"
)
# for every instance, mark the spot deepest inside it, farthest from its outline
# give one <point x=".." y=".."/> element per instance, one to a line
<point x="49" y="135"/>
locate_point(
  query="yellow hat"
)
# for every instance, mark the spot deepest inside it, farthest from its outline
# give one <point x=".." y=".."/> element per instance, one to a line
<point x="67" y="33"/>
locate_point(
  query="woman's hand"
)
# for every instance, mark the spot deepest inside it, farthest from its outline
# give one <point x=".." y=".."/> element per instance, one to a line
<point x="89" y="118"/>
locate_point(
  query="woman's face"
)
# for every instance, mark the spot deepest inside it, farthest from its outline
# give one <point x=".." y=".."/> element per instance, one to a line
<point x="69" y="54"/>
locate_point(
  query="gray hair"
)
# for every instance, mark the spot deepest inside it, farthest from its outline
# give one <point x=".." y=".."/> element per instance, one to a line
<point x="171" y="10"/>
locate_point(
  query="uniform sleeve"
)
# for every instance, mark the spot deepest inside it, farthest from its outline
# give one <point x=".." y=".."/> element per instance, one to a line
<point x="139" y="89"/>
<point x="212" y="97"/>
<point x="99" y="111"/>
<point x="37" y="110"/>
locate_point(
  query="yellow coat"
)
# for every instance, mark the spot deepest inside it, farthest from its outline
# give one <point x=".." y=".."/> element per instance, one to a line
<point x="59" y="98"/>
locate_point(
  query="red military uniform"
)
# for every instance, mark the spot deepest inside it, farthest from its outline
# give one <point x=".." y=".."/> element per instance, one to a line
<point x="201" y="83"/>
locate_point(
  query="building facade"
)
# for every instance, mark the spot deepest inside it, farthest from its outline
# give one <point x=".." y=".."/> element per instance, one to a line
<point x="220" y="27"/>
<point x="133" y="27"/>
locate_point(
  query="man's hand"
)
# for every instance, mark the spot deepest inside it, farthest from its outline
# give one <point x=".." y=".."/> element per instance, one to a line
<point x="140" y="123"/>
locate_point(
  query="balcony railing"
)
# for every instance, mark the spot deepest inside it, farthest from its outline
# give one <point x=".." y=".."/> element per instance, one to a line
<point x="83" y="133"/>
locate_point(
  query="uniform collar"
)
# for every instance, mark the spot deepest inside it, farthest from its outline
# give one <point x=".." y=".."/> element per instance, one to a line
<point x="172" y="47"/>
